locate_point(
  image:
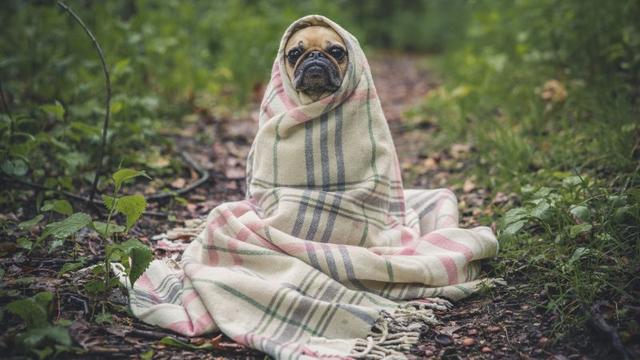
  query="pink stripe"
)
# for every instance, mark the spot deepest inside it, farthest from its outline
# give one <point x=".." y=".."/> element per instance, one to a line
<point x="187" y="299"/>
<point x="450" y="267"/>
<point x="448" y="244"/>
<point x="233" y="246"/>
<point x="191" y="328"/>
<point x="291" y="106"/>
<point x="408" y="250"/>
<point x="211" y="252"/>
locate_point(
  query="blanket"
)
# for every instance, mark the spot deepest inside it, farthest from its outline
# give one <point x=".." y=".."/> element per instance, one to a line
<point x="328" y="255"/>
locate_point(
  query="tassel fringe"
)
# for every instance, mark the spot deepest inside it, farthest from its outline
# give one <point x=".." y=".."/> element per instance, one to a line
<point x="394" y="333"/>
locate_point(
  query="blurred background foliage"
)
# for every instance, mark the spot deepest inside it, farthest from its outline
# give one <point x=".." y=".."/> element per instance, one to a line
<point x="543" y="85"/>
<point x="169" y="58"/>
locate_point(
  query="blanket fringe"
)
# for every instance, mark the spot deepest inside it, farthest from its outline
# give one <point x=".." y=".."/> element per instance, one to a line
<point x="395" y="333"/>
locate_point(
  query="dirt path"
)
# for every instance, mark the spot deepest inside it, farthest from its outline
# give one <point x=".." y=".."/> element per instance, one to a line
<point x="503" y="323"/>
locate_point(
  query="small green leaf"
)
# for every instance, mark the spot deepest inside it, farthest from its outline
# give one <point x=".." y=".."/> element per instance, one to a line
<point x="514" y="227"/>
<point x="572" y="181"/>
<point x="580" y="212"/>
<point x="147" y="355"/>
<point x="31" y="223"/>
<point x="132" y="206"/>
<point x="543" y="192"/>
<point x="24" y="243"/>
<point x="576" y="230"/>
<point x="578" y="253"/>
<point x="33" y="310"/>
<point x="134" y="256"/>
<point x="617" y="200"/>
<point x="541" y="211"/>
<point x="101" y="228"/>
<point x="515" y="215"/>
<point x="67" y="227"/>
<point x="56" y="110"/>
<point x="56" y="334"/>
<point x="43" y="298"/>
<point x="26" y="280"/>
<point x="103" y="318"/>
<point x="108" y="201"/>
<point x="59" y="206"/>
<point x="120" y="68"/>
<point x="95" y="286"/>
<point x="169" y="341"/>
<point x="15" y="167"/>
<point x="621" y="214"/>
<point x="140" y="259"/>
<point x="71" y="267"/>
<point x="122" y="175"/>
<point x="55" y="244"/>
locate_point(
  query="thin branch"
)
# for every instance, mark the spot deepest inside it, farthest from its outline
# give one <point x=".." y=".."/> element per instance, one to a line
<point x="107" y="103"/>
<point x="5" y="104"/>
<point x="72" y="195"/>
<point x="204" y="177"/>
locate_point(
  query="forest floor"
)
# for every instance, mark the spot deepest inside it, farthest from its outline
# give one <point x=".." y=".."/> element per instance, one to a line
<point x="502" y="323"/>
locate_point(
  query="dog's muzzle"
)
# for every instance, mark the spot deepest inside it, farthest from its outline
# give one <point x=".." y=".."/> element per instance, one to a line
<point x="316" y="73"/>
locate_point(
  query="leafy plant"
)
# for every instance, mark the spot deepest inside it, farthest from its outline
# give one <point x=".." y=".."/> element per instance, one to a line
<point x="567" y="239"/>
<point x="40" y="337"/>
<point x="132" y="254"/>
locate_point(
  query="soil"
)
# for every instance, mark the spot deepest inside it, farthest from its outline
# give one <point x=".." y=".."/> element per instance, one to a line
<point x="505" y="322"/>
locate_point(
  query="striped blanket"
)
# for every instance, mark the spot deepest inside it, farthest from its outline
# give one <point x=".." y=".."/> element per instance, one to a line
<point x="328" y="256"/>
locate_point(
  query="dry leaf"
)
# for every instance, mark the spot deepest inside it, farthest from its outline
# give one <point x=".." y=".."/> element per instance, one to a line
<point x="553" y="91"/>
<point x="178" y="183"/>
<point x="468" y="186"/>
<point x="460" y="150"/>
<point x="430" y="164"/>
<point x="234" y="173"/>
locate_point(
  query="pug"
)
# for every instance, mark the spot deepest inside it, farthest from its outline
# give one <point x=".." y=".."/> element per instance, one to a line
<point x="316" y="60"/>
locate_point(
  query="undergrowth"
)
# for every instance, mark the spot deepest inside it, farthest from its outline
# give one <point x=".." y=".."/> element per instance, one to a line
<point x="546" y="93"/>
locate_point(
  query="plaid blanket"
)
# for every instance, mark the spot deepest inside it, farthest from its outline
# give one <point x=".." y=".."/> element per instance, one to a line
<point x="328" y="256"/>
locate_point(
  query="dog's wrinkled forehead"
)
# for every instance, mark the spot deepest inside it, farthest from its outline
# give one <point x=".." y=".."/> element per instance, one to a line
<point x="314" y="36"/>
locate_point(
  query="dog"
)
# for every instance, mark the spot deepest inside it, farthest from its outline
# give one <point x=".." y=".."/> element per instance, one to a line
<point x="316" y="61"/>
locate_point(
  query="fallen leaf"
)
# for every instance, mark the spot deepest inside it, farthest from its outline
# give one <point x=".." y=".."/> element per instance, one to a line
<point x="178" y="183"/>
<point x="468" y="186"/>
<point x="554" y="91"/>
<point x="460" y="150"/>
<point x="430" y="164"/>
<point x="235" y="173"/>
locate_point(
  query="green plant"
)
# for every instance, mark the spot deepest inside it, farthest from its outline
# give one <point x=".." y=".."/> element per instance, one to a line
<point x="39" y="337"/>
<point x="132" y="254"/>
<point x="576" y="239"/>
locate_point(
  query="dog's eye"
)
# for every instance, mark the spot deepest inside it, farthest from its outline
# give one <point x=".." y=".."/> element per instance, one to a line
<point x="293" y="55"/>
<point x="337" y="53"/>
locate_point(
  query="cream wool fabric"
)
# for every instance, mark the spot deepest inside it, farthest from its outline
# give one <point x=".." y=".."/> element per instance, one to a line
<point x="327" y="244"/>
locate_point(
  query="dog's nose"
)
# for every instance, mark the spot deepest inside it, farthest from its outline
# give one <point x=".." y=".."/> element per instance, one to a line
<point x="315" y="54"/>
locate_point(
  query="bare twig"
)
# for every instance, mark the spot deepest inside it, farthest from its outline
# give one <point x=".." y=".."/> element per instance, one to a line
<point x="5" y="105"/>
<point x="56" y="261"/>
<point x="204" y="177"/>
<point x="107" y="102"/>
<point x="72" y="195"/>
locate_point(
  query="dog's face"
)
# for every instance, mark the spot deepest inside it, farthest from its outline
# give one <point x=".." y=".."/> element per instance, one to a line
<point x="316" y="59"/>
